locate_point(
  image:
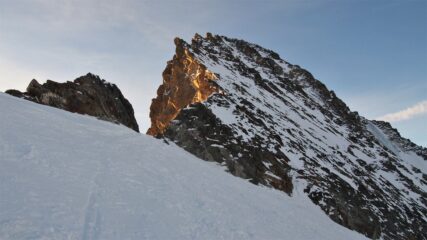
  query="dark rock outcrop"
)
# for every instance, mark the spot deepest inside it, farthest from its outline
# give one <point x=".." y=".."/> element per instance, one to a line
<point x="88" y="94"/>
<point x="273" y="123"/>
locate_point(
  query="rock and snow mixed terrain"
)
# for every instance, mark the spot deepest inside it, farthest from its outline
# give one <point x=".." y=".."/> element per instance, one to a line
<point x="68" y="176"/>
<point x="266" y="120"/>
<point x="271" y="123"/>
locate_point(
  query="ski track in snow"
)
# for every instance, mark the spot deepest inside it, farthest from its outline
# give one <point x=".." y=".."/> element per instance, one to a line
<point x="91" y="213"/>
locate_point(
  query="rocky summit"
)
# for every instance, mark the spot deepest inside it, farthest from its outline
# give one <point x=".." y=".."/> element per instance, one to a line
<point x="273" y="123"/>
<point x="87" y="94"/>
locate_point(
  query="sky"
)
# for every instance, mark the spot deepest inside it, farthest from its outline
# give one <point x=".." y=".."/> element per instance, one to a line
<point x="373" y="54"/>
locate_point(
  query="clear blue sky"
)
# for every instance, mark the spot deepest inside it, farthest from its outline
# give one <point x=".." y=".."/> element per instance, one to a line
<point x="373" y="54"/>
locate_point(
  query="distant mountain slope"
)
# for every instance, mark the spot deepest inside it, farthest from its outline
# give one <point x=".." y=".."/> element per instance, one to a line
<point x="68" y="176"/>
<point x="236" y="103"/>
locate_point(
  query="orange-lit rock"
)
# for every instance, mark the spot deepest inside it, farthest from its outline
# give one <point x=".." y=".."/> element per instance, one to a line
<point x="185" y="81"/>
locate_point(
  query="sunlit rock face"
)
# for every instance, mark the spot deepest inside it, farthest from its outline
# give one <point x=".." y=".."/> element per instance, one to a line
<point x="274" y="124"/>
<point x="185" y="81"/>
<point x="87" y="94"/>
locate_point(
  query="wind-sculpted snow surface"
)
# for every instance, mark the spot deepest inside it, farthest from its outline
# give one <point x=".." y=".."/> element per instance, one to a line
<point x="273" y="123"/>
<point x="68" y="176"/>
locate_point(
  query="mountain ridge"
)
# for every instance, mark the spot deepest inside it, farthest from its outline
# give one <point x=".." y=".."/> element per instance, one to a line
<point x="272" y="122"/>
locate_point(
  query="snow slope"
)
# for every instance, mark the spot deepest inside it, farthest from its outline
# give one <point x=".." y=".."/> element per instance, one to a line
<point x="67" y="176"/>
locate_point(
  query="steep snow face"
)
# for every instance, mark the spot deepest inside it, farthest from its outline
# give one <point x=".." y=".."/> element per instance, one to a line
<point x="68" y="176"/>
<point x="272" y="122"/>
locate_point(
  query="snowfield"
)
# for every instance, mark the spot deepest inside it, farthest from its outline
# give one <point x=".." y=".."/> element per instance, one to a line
<point x="68" y="176"/>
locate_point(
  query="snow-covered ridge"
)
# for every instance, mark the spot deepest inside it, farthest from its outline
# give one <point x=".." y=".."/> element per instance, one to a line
<point x="68" y="176"/>
<point x="274" y="122"/>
